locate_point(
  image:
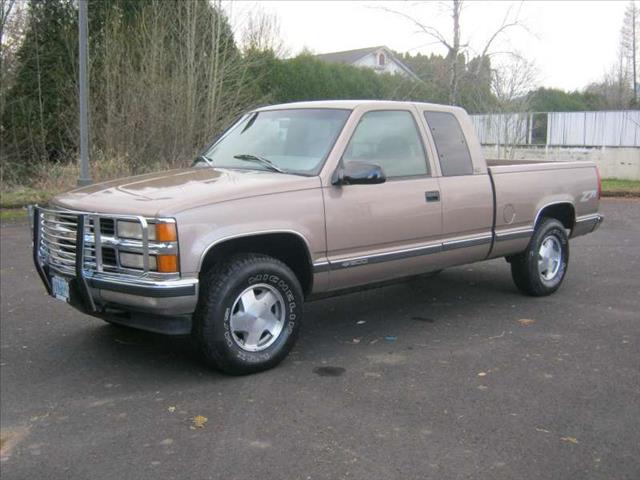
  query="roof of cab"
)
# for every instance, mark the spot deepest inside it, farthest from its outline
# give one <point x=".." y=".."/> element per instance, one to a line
<point x="350" y="104"/>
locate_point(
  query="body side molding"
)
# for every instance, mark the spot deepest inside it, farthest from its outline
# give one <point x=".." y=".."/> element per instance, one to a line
<point x="427" y="249"/>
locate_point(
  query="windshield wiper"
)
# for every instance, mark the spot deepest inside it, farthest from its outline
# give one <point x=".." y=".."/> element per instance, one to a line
<point x="263" y="161"/>
<point x="205" y="159"/>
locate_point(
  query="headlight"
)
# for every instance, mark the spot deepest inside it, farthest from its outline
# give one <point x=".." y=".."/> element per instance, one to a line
<point x="128" y="229"/>
<point x="163" y="232"/>
<point x="135" y="260"/>
<point x="158" y="263"/>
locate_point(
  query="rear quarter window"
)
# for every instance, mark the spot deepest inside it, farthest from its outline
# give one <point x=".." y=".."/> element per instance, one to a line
<point x="453" y="152"/>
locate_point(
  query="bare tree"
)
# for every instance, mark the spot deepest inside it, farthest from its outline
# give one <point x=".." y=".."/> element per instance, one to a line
<point x="12" y="23"/>
<point x="261" y="33"/>
<point x="630" y="43"/>
<point x="5" y="13"/>
<point x="619" y="87"/>
<point x="511" y="81"/>
<point x="614" y="90"/>
<point x="165" y="91"/>
<point x="452" y="42"/>
<point x="6" y="6"/>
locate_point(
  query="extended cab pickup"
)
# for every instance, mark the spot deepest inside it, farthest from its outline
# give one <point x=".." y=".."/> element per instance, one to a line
<point x="299" y="200"/>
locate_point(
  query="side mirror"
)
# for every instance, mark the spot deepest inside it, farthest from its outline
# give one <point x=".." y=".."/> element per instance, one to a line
<point x="359" y="173"/>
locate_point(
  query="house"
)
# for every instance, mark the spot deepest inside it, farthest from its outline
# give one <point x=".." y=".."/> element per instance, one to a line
<point x="380" y="59"/>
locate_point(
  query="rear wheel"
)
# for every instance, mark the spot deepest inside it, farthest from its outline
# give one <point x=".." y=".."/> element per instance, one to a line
<point x="248" y="314"/>
<point x="541" y="268"/>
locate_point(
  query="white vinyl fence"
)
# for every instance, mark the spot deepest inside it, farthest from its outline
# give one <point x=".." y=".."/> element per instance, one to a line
<point x="570" y="129"/>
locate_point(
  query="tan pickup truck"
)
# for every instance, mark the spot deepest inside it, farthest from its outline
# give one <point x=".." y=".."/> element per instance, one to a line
<point x="299" y="200"/>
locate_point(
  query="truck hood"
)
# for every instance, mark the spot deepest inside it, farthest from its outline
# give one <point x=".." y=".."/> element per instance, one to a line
<point x="170" y="192"/>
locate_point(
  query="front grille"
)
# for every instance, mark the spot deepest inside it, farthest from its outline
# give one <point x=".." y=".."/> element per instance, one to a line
<point x="107" y="226"/>
<point x="59" y="232"/>
<point x="109" y="257"/>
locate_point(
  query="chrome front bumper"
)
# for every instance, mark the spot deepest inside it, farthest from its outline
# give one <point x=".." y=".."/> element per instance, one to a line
<point x="105" y="294"/>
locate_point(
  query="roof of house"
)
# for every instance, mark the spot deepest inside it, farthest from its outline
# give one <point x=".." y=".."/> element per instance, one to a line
<point x="352" y="56"/>
<point x="348" y="56"/>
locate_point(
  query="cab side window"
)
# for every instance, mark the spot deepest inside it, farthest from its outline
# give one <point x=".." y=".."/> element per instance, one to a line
<point x="388" y="138"/>
<point x="453" y="152"/>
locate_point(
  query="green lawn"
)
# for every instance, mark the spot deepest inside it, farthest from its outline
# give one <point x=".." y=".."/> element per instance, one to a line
<point x="13" y="202"/>
<point x="617" y="186"/>
<point x="24" y="196"/>
<point x="12" y="215"/>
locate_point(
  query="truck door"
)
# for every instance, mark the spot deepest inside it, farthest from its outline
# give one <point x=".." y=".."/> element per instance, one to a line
<point x="378" y="232"/>
<point x="465" y="188"/>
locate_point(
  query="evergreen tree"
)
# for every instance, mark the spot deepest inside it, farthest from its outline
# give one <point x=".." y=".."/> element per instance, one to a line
<point x="38" y="119"/>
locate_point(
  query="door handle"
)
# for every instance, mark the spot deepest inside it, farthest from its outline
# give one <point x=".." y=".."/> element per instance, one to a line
<point x="432" y="196"/>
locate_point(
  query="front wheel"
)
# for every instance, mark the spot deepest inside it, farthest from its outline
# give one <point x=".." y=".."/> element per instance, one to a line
<point x="248" y="314"/>
<point x="540" y="269"/>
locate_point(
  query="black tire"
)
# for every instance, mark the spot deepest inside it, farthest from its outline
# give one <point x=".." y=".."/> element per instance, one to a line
<point x="525" y="269"/>
<point x="220" y="288"/>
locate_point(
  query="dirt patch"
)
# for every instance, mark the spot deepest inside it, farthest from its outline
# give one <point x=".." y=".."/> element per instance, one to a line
<point x="9" y="438"/>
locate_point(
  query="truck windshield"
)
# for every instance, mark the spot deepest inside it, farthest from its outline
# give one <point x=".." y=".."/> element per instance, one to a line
<point x="294" y="140"/>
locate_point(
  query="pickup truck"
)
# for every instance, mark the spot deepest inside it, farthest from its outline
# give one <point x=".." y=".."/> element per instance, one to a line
<point x="294" y="202"/>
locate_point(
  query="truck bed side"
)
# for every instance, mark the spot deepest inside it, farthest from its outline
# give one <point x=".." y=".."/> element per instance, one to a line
<point x="523" y="191"/>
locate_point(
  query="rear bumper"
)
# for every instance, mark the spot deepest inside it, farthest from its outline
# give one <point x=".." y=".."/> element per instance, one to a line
<point x="119" y="298"/>
<point x="587" y="224"/>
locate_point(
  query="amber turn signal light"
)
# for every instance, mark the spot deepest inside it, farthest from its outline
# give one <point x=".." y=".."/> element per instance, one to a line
<point x="166" y="232"/>
<point x="167" y="263"/>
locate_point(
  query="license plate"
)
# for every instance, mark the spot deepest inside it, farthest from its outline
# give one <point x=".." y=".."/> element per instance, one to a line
<point x="60" y="288"/>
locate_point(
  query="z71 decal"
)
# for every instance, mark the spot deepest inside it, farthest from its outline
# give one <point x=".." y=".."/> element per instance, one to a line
<point x="588" y="195"/>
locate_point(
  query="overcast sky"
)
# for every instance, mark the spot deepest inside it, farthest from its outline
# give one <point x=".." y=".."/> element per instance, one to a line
<point x="572" y="43"/>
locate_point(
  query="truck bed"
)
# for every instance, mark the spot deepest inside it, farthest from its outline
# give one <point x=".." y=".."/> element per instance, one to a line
<point x="523" y="188"/>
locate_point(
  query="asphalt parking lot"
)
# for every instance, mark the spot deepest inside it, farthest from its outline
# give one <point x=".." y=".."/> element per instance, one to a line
<point x="454" y="376"/>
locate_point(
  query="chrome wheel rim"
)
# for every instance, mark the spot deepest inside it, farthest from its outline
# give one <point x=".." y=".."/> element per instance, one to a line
<point x="257" y="317"/>
<point x="549" y="258"/>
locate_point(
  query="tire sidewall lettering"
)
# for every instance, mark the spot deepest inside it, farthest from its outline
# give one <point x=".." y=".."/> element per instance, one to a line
<point x="227" y="330"/>
<point x="291" y="318"/>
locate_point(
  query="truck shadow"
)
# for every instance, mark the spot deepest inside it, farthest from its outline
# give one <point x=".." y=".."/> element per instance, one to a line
<point x="421" y="303"/>
<point x="399" y="310"/>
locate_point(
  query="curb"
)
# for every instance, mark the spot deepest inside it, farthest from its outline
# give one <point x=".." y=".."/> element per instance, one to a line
<point x="620" y="194"/>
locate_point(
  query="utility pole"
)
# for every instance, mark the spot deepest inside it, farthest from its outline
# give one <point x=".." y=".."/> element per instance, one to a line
<point x="634" y="50"/>
<point x="85" y="176"/>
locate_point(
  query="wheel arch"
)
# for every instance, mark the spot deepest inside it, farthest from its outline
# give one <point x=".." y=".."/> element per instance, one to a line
<point x="288" y="246"/>
<point x="563" y="211"/>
